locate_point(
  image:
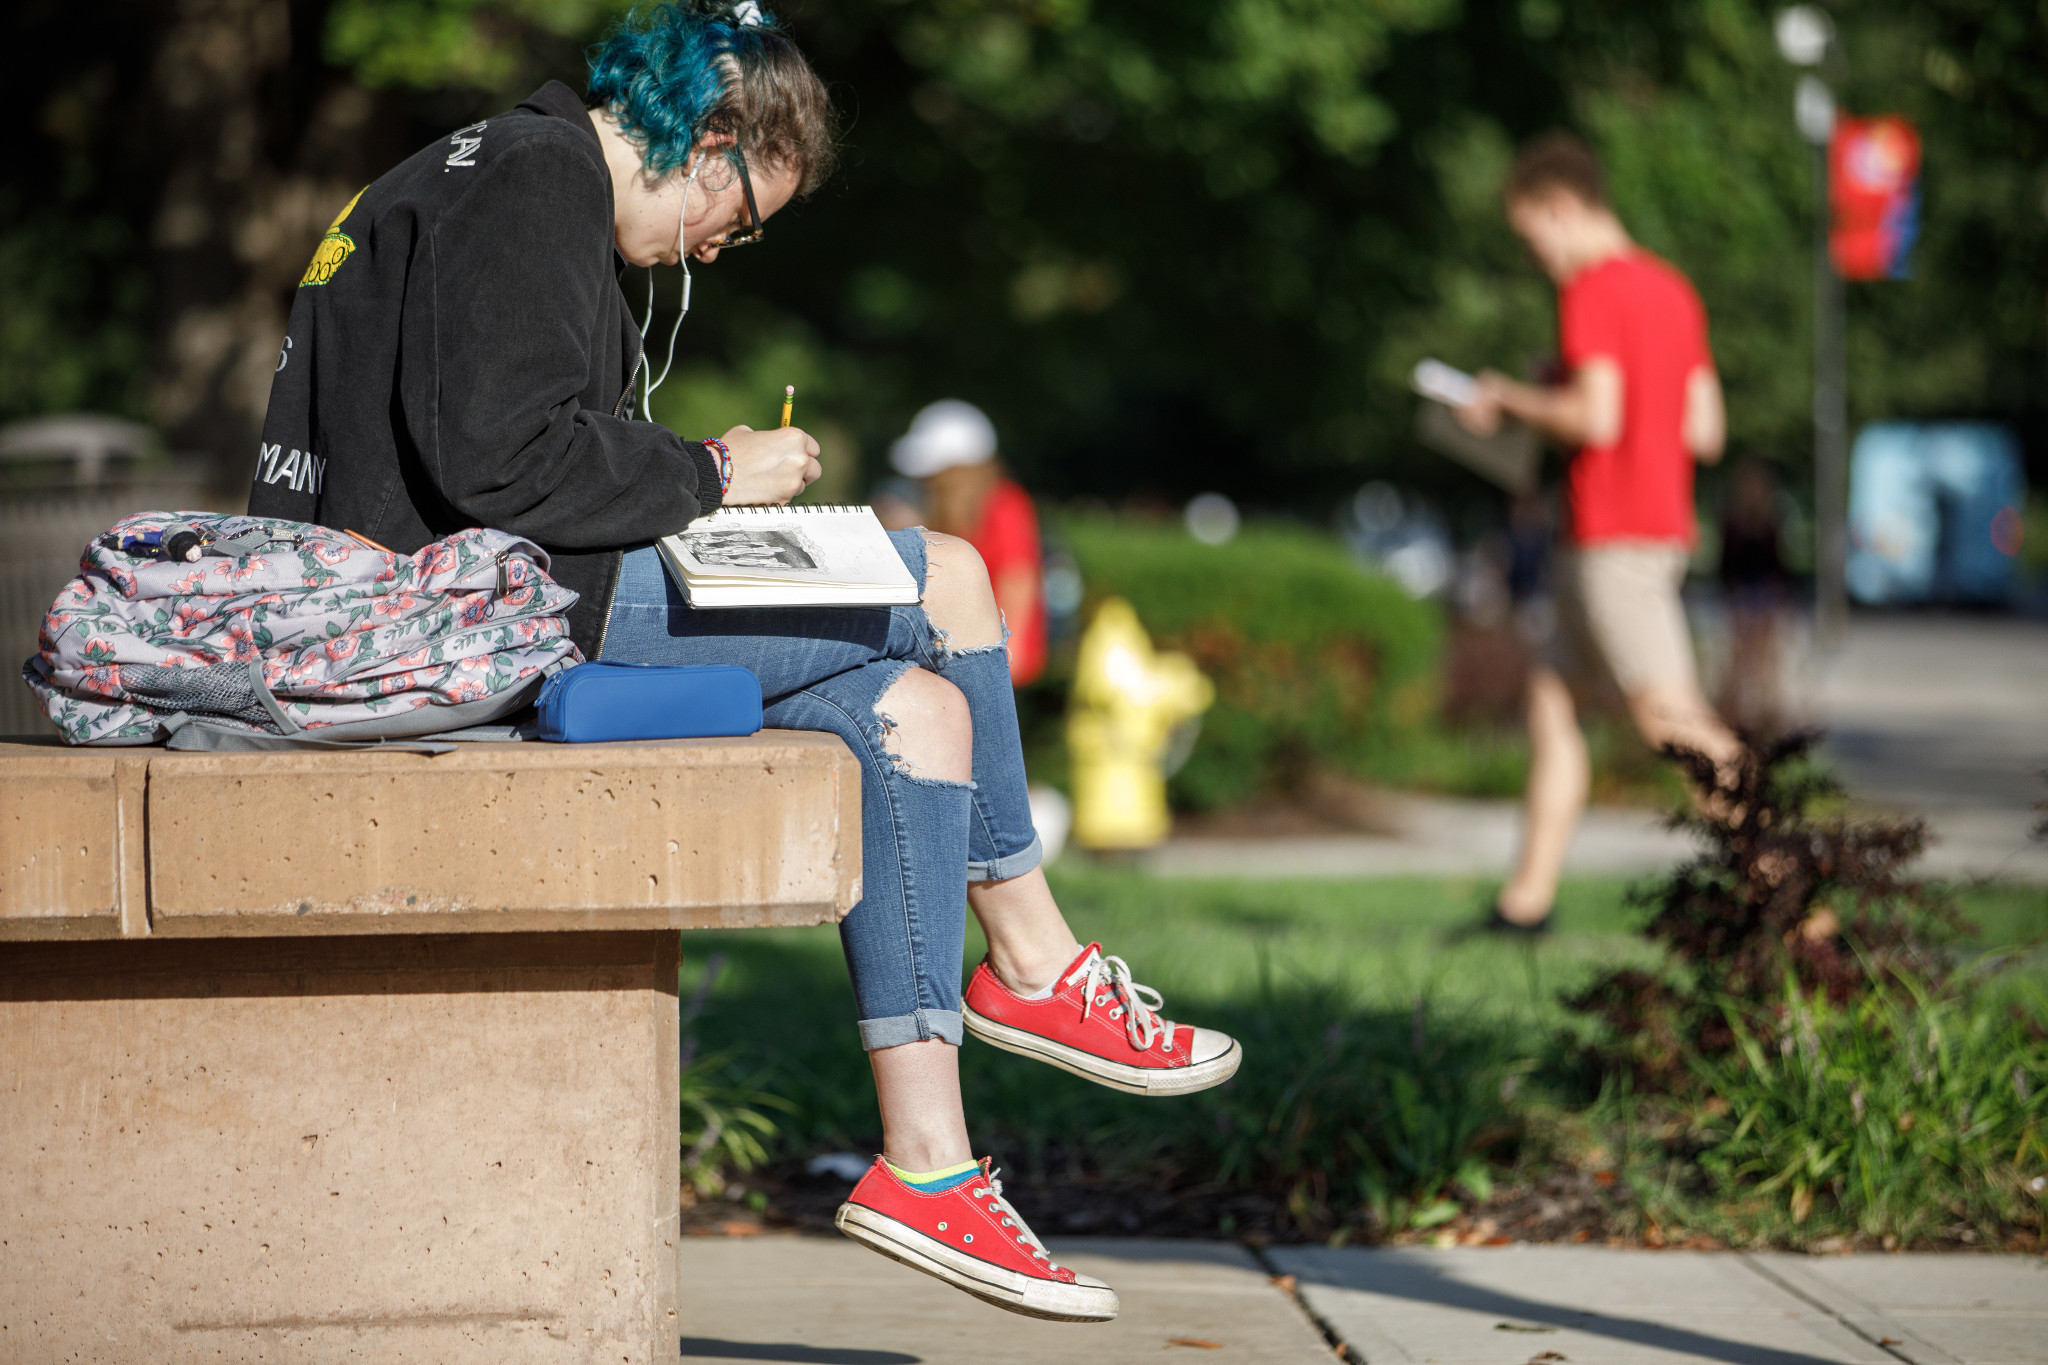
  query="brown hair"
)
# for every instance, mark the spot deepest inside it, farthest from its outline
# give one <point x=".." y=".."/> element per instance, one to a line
<point x="1556" y="161"/>
<point x="781" y="112"/>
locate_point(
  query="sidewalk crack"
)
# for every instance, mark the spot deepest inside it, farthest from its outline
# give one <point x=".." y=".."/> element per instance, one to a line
<point x="1888" y="1345"/>
<point x="1286" y="1284"/>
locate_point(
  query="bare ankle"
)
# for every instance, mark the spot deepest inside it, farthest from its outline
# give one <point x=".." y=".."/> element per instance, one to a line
<point x="1029" y="973"/>
<point x="1520" y="907"/>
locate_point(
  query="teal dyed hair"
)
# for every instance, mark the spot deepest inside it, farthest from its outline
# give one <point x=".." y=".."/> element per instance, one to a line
<point x="674" y="71"/>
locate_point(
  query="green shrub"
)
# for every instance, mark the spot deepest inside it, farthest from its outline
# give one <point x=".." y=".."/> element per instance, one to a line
<point x="724" y="1128"/>
<point x="1315" y="662"/>
<point x="1807" y="1064"/>
<point x="1778" y="893"/>
<point x="1899" y="1116"/>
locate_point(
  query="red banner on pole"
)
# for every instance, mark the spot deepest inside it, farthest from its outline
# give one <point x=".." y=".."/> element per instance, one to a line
<point x="1874" y="188"/>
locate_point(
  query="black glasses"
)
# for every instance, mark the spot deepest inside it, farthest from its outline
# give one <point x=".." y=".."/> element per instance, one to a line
<point x="751" y="230"/>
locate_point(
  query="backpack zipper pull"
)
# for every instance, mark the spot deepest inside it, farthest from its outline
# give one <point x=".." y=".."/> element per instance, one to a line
<point x="504" y="575"/>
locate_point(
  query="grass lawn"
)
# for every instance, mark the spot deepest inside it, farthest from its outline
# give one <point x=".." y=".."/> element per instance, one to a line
<point x="1391" y="1066"/>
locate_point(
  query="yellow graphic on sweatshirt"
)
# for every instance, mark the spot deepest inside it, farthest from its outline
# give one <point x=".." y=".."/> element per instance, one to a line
<point x="334" y="247"/>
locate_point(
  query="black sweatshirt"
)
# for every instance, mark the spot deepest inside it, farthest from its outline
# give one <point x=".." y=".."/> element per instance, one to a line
<point x="460" y="354"/>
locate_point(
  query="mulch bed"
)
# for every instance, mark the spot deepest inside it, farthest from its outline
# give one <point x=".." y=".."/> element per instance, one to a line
<point x="1568" y="1206"/>
<point x="1560" y="1207"/>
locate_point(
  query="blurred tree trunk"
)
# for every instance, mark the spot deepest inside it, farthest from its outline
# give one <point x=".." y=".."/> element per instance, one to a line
<point x="258" y="143"/>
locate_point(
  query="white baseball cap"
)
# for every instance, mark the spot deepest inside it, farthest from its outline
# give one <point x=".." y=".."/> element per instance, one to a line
<point x="943" y="435"/>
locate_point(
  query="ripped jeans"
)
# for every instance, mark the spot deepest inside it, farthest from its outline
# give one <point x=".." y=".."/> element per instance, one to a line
<point x="922" y="840"/>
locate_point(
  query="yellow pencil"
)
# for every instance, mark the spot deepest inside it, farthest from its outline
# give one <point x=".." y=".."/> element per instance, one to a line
<point x="788" y="402"/>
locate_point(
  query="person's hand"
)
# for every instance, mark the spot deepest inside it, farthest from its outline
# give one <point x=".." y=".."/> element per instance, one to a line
<point x="1482" y="415"/>
<point x="770" y="467"/>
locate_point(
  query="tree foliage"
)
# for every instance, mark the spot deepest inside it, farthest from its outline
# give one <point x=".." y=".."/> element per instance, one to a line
<point x="1169" y="245"/>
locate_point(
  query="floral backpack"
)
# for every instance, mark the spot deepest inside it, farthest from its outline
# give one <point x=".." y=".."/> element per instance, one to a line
<point x="219" y="632"/>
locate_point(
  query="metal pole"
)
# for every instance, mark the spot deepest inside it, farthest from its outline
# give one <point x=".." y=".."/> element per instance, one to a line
<point x="1830" y="426"/>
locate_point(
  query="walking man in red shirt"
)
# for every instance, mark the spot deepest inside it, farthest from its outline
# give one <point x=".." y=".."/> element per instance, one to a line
<point x="1640" y="404"/>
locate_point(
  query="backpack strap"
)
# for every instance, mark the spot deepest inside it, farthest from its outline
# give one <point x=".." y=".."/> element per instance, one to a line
<point x="209" y="737"/>
<point x="191" y="734"/>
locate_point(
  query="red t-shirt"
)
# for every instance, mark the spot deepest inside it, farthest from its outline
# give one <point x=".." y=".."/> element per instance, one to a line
<point x="1007" y="539"/>
<point x="1640" y="313"/>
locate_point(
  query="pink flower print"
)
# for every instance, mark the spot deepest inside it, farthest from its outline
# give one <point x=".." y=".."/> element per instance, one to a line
<point x="343" y="647"/>
<point x="331" y="555"/>
<point x="99" y="651"/>
<point x="189" y="581"/>
<point x="255" y="564"/>
<point x="441" y="560"/>
<point x="526" y="630"/>
<point x="519" y="597"/>
<point x="394" y="604"/>
<point x="101" y="682"/>
<point x="241" y="641"/>
<point x="188" y="618"/>
<point x="269" y="599"/>
<point x="475" y="610"/>
<point x="309" y="668"/>
<point x="467" y="689"/>
<point x="123" y="580"/>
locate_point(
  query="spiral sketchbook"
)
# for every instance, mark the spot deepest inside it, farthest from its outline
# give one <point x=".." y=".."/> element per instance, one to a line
<point x="787" y="557"/>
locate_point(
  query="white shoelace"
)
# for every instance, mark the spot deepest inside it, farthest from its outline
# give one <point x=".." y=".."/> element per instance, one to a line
<point x="1141" y="1020"/>
<point x="987" y="1184"/>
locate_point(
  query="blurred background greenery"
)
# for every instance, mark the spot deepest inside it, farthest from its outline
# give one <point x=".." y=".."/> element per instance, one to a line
<point x="1169" y="246"/>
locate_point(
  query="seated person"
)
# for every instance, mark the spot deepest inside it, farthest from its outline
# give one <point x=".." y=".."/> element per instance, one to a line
<point x="461" y="354"/>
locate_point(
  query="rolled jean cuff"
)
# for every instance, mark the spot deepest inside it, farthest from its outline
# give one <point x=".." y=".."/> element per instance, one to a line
<point x="914" y="1027"/>
<point x="1015" y="865"/>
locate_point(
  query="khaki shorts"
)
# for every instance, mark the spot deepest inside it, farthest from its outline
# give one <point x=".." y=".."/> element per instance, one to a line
<point x="1619" y="617"/>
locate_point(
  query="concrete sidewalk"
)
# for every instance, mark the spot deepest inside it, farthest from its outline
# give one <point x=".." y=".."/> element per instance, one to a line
<point x="1433" y="837"/>
<point x="1608" y="1306"/>
<point x="826" y="1301"/>
<point x="1940" y="716"/>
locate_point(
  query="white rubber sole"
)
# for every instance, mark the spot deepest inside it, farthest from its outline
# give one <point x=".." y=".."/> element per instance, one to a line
<point x="1132" y="1080"/>
<point x="1086" y="1300"/>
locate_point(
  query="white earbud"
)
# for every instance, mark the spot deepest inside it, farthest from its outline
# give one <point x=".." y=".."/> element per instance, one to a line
<point x="683" y="254"/>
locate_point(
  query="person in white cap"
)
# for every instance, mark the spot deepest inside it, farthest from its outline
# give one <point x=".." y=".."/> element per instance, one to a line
<point x="951" y="450"/>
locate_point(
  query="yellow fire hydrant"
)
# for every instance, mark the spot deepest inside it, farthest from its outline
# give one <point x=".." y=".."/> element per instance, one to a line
<point x="1127" y="702"/>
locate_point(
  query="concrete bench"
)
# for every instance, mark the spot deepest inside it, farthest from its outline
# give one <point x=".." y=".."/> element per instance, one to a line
<point x="371" y="1056"/>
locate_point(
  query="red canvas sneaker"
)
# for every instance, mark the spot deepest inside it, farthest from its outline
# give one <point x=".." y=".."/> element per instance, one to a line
<point x="1098" y="1023"/>
<point x="971" y="1238"/>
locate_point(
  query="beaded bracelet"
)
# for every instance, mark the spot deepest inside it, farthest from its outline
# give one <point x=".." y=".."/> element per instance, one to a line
<point x="724" y="454"/>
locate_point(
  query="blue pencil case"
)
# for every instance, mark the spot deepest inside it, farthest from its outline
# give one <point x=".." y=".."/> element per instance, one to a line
<point x="595" y="702"/>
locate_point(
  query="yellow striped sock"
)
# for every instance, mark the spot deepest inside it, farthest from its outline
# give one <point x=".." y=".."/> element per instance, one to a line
<point x="932" y="1182"/>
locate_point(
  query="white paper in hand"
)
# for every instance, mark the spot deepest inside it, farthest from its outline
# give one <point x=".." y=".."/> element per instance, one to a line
<point x="1434" y="379"/>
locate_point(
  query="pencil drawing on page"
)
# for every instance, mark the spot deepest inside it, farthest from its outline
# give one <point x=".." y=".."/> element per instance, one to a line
<point x="752" y="549"/>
